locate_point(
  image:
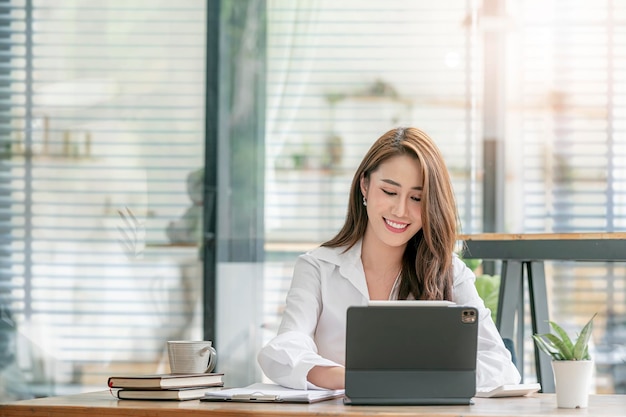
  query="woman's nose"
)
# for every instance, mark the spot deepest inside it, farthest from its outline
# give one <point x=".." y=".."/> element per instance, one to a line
<point x="399" y="209"/>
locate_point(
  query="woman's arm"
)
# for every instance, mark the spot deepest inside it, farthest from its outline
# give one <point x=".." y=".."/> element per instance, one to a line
<point x="290" y="356"/>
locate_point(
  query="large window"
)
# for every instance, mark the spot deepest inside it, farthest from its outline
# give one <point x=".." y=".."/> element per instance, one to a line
<point x="101" y="189"/>
<point x="541" y="79"/>
<point x="341" y="74"/>
<point x="103" y="142"/>
<point x="567" y="139"/>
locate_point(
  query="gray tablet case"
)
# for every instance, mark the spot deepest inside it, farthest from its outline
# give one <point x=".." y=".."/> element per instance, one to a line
<point x="411" y="355"/>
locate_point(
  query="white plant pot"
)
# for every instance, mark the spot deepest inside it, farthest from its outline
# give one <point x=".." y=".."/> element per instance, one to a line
<point x="573" y="382"/>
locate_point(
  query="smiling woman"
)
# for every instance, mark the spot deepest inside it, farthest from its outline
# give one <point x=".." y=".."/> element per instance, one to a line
<point x="397" y="243"/>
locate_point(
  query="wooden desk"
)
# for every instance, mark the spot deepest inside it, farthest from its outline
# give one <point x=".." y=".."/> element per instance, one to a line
<point x="102" y="404"/>
<point x="529" y="251"/>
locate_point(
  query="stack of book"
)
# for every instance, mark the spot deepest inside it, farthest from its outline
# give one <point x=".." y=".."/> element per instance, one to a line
<point x="165" y="386"/>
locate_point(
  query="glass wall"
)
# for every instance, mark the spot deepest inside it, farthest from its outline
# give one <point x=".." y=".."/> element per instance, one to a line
<point x="101" y="190"/>
<point x="103" y="143"/>
<point x="566" y="146"/>
<point x="540" y="78"/>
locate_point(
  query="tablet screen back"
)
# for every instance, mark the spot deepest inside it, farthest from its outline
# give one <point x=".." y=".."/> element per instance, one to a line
<point x="411" y="354"/>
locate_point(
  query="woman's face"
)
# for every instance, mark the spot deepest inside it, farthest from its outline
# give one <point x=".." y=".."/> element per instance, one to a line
<point x="393" y="194"/>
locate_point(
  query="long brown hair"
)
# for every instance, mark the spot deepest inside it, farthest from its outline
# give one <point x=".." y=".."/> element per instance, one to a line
<point x="427" y="262"/>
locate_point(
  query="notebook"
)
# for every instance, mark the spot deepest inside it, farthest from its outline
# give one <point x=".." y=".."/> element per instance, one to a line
<point x="513" y="390"/>
<point x="263" y="393"/>
<point x="411" y="354"/>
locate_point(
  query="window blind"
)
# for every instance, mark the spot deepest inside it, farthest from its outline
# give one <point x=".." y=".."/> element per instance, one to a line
<point x="339" y="75"/>
<point x="571" y="130"/>
<point x="102" y="156"/>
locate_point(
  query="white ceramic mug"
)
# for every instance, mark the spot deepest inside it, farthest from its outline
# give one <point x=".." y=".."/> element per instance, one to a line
<point x="191" y="357"/>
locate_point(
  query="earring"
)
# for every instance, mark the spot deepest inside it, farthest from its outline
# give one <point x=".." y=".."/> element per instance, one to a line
<point x="364" y="201"/>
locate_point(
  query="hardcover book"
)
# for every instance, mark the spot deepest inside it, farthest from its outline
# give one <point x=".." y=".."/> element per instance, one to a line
<point x="180" y="394"/>
<point x="164" y="381"/>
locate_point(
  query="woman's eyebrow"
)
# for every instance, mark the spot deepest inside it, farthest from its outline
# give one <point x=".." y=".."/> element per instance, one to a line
<point x="392" y="182"/>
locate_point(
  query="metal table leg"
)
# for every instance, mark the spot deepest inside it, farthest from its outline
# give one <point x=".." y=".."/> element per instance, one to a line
<point x="510" y="303"/>
<point x="539" y="318"/>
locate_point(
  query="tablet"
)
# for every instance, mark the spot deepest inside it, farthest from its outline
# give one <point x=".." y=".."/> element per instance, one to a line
<point x="411" y="353"/>
<point x="411" y="303"/>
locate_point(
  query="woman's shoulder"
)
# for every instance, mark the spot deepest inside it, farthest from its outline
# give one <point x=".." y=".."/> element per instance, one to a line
<point x="319" y="262"/>
<point x="457" y="262"/>
<point x="460" y="270"/>
<point x="324" y="254"/>
<point x="332" y="255"/>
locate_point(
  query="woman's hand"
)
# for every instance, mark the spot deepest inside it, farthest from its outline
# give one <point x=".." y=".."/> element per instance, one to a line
<point x="329" y="377"/>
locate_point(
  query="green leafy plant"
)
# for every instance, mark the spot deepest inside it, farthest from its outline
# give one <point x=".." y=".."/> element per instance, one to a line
<point x="559" y="345"/>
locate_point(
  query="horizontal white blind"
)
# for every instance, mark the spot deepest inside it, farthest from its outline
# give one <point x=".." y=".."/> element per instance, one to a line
<point x="571" y="96"/>
<point x="106" y="106"/>
<point x="339" y="75"/>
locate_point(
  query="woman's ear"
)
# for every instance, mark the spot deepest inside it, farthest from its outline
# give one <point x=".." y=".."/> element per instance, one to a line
<point x="364" y="185"/>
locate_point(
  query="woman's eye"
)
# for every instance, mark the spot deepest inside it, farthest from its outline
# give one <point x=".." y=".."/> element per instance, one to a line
<point x="389" y="192"/>
<point x="418" y="199"/>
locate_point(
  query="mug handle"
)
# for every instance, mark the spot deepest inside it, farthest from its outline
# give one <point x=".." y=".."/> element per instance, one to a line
<point x="212" y="360"/>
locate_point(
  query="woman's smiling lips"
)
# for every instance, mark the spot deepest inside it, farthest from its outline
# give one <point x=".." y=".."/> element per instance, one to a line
<point x="395" y="227"/>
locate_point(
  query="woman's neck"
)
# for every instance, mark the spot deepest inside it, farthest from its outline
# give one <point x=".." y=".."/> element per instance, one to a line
<point x="375" y="255"/>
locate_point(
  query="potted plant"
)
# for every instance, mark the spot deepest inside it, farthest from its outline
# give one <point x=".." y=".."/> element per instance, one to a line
<point x="571" y="363"/>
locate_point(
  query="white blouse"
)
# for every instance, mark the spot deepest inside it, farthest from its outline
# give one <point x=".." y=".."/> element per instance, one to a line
<point x="313" y="329"/>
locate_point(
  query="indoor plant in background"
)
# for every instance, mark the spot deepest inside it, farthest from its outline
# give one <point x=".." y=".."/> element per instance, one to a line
<point x="571" y="363"/>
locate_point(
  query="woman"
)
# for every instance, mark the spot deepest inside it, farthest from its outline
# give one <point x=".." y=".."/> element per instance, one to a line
<point x="397" y="242"/>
